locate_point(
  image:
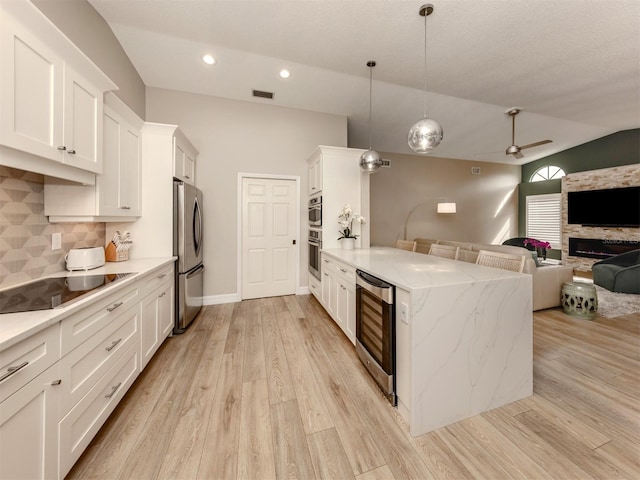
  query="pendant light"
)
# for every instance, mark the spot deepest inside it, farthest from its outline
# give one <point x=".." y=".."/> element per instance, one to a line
<point x="370" y="160"/>
<point x="425" y="134"/>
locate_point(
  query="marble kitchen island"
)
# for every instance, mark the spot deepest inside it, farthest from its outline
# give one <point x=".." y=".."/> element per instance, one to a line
<point x="466" y="346"/>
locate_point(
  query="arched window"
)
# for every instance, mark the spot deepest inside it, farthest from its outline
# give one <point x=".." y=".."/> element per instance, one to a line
<point x="548" y="172"/>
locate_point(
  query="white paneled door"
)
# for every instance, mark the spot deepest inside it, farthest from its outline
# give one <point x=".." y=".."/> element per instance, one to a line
<point x="268" y="237"/>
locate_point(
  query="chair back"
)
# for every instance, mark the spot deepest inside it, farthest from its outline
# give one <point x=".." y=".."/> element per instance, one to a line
<point x="505" y="261"/>
<point x="444" y="251"/>
<point x="406" y="245"/>
<point x="422" y="247"/>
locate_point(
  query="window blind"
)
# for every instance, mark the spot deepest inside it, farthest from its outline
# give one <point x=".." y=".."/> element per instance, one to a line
<point x="544" y="221"/>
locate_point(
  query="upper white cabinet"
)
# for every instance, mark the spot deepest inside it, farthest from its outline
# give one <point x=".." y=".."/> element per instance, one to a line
<point x="315" y="174"/>
<point x="184" y="159"/>
<point x="51" y="98"/>
<point x="337" y="174"/>
<point x="116" y="195"/>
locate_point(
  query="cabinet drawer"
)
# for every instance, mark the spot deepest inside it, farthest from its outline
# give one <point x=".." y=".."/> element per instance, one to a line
<point x="346" y="273"/>
<point x="314" y="287"/>
<point x="76" y="430"/>
<point x="156" y="278"/>
<point x="28" y="358"/>
<point x="89" y="321"/>
<point x="86" y="364"/>
<point x="328" y="264"/>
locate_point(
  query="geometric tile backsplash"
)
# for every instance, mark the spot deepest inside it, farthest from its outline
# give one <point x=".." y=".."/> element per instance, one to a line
<point x="25" y="233"/>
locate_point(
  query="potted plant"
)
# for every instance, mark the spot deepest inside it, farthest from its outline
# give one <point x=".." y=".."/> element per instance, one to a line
<point x="345" y="220"/>
<point x="540" y="246"/>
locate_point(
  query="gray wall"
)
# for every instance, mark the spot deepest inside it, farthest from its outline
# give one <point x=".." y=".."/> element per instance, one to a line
<point x="234" y="136"/>
<point x="90" y="32"/>
<point x="407" y="193"/>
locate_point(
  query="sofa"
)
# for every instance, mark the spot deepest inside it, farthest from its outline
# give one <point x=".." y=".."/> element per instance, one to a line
<point x="547" y="280"/>
<point x="620" y="273"/>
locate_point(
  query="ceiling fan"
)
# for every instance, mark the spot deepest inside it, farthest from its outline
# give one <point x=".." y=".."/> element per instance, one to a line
<point x="514" y="149"/>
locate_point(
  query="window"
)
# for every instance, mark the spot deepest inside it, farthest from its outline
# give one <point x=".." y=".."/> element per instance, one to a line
<point x="548" y="172"/>
<point x="544" y="221"/>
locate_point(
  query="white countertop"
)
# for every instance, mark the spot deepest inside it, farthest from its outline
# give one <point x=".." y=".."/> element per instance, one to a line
<point x="18" y="326"/>
<point x="416" y="271"/>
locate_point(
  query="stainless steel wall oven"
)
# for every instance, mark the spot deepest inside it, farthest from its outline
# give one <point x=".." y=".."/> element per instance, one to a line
<point x="376" y="331"/>
<point x="315" y="246"/>
<point x="315" y="211"/>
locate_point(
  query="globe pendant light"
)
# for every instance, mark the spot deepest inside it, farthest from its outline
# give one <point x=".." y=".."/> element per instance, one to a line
<point x="425" y="134"/>
<point x="370" y="160"/>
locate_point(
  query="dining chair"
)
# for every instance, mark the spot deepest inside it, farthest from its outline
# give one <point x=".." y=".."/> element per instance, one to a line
<point x="444" y="251"/>
<point x="505" y="261"/>
<point x="406" y="245"/>
<point x="422" y="247"/>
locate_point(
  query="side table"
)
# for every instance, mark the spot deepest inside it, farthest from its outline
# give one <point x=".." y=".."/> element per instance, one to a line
<point x="579" y="299"/>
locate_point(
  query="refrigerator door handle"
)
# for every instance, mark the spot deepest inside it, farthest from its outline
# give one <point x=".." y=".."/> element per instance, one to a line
<point x="195" y="271"/>
<point x="197" y="226"/>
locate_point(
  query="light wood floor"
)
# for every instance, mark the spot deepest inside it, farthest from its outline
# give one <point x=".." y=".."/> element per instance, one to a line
<point x="271" y="388"/>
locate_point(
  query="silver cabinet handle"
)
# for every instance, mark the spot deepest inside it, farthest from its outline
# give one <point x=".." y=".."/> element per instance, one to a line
<point x="325" y="261"/>
<point x="115" y="305"/>
<point x="113" y="345"/>
<point x="12" y="370"/>
<point x="162" y="276"/>
<point x="326" y="274"/>
<point x="342" y="270"/>
<point x="343" y="287"/>
<point x="114" y="389"/>
<point x="187" y="176"/>
<point x="62" y="148"/>
<point x="125" y="208"/>
<point x="56" y="382"/>
<point x="71" y="152"/>
<point x="162" y="295"/>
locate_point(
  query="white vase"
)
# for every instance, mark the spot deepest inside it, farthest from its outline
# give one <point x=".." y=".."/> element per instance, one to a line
<point x="347" y="243"/>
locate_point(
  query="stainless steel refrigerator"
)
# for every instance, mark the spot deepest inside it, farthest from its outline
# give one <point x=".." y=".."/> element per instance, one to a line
<point x="187" y="246"/>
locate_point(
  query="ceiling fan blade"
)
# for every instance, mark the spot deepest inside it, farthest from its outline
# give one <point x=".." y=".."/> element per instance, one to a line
<point x="518" y="155"/>
<point x="536" y="144"/>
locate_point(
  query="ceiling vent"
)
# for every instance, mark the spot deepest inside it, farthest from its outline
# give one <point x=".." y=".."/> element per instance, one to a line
<point x="475" y="170"/>
<point x="261" y="94"/>
<point x="385" y="163"/>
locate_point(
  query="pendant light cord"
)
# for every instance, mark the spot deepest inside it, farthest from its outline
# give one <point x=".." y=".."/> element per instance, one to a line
<point x="425" y="65"/>
<point x="370" y="101"/>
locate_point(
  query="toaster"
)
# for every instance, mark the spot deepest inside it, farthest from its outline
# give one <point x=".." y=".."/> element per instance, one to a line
<point x="85" y="258"/>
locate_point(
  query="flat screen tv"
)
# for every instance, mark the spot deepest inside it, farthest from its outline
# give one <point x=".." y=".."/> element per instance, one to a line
<point x="614" y="207"/>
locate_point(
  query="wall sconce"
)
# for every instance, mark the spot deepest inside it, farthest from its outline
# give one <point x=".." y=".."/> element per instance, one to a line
<point x="446" y="207"/>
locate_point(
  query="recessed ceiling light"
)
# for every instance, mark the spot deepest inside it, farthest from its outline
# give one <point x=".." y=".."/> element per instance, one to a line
<point x="284" y="73"/>
<point x="208" y="59"/>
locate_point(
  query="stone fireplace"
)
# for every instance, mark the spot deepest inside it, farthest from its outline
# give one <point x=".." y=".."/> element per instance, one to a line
<point x="583" y="246"/>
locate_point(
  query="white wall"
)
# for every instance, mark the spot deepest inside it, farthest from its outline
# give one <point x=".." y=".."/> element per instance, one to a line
<point x="232" y="137"/>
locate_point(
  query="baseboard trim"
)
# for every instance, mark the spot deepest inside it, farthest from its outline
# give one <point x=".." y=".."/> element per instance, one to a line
<point x="235" y="297"/>
<point x="219" y="299"/>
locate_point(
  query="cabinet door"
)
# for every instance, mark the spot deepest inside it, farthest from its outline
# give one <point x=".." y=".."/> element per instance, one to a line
<point x="149" y="328"/>
<point x="350" y="319"/>
<point x="166" y="311"/>
<point x="32" y="92"/>
<point x="28" y="429"/>
<point x="326" y="291"/>
<point x="189" y="171"/>
<point x="179" y="158"/>
<point x="119" y="184"/>
<point x="315" y="176"/>
<point x="82" y="122"/>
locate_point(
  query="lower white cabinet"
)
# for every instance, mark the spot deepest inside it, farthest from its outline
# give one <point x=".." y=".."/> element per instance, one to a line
<point x="28" y="429"/>
<point x="338" y="294"/>
<point x="58" y="386"/>
<point x="315" y="287"/>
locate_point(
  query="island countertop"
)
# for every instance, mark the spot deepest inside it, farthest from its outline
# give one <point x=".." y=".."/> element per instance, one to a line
<point x="464" y="343"/>
<point x="416" y="271"/>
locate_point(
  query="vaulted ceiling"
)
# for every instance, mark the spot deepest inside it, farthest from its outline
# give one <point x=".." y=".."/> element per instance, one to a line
<point x="573" y="66"/>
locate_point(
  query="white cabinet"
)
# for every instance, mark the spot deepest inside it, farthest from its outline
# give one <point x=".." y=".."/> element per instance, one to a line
<point x="184" y="159"/>
<point x="336" y="172"/>
<point x="157" y="314"/>
<point x="339" y="294"/>
<point x="116" y="195"/>
<point x="315" y="175"/>
<point x="30" y="388"/>
<point x="51" y="97"/>
<point x="28" y="429"/>
<point x="315" y="287"/>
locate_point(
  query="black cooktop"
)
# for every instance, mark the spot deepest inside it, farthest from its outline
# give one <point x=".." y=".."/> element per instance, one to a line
<point x="53" y="292"/>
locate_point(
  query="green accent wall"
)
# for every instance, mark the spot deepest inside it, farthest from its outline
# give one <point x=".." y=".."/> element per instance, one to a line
<point x="621" y="148"/>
